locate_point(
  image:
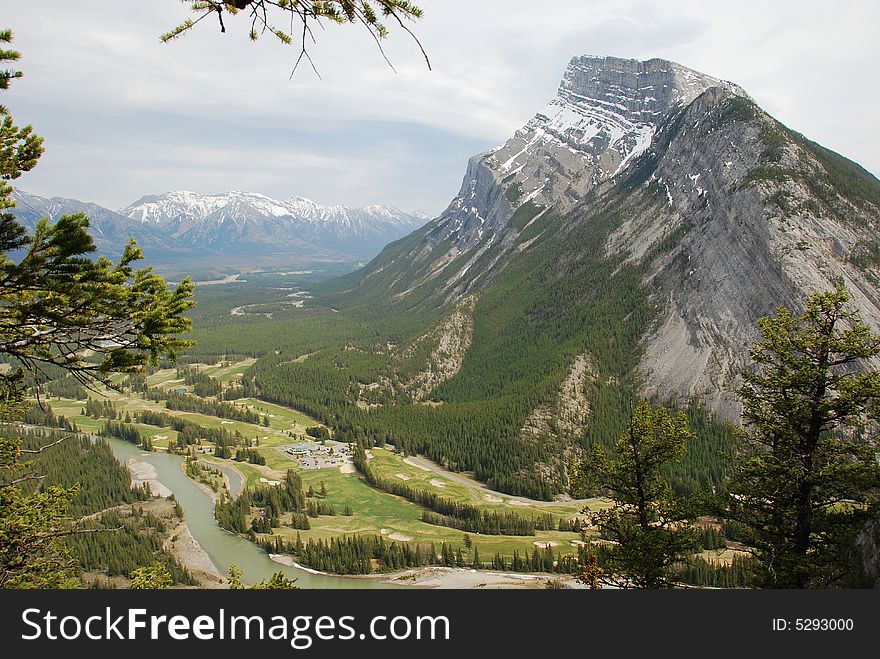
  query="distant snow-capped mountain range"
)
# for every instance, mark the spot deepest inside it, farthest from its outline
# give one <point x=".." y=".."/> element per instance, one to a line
<point x="234" y="223"/>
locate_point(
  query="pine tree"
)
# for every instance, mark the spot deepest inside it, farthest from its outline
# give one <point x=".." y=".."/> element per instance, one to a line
<point x="155" y="577"/>
<point x="56" y="306"/>
<point x="476" y="563"/>
<point x="807" y="467"/>
<point x="649" y="526"/>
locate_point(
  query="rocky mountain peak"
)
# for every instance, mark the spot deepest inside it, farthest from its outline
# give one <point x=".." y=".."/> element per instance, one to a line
<point x="638" y="91"/>
<point x="606" y="113"/>
<point x="234" y="223"/>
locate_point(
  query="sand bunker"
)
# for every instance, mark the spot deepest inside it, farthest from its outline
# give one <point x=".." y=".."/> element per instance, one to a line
<point x="492" y="499"/>
<point x="437" y="483"/>
<point x="514" y="502"/>
<point x="383" y="531"/>
<point x="545" y="545"/>
<point x="402" y="477"/>
<point x="346" y="469"/>
<point x="577" y="543"/>
<point x="160" y="436"/>
<point x="269" y="482"/>
<point x="399" y="537"/>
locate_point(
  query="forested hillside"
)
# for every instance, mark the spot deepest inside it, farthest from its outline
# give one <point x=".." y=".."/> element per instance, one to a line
<point x="104" y="499"/>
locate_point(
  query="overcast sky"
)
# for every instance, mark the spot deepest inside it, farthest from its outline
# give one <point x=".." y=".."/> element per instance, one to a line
<point x="124" y="115"/>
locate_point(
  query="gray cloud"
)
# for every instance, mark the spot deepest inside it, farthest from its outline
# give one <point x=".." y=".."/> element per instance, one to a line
<point x="124" y="115"/>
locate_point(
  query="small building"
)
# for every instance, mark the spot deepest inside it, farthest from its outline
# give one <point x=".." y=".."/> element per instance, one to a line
<point x="300" y="450"/>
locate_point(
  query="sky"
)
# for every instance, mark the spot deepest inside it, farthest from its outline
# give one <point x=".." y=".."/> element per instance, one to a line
<point x="124" y="115"/>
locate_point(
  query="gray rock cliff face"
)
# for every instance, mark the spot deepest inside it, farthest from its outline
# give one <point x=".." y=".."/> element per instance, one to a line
<point x="752" y="239"/>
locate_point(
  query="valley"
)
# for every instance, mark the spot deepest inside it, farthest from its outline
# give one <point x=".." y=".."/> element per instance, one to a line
<point x="372" y="512"/>
<point x="307" y="338"/>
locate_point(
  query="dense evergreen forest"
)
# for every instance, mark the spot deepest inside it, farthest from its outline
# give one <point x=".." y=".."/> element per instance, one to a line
<point x="189" y="432"/>
<point x="131" y="541"/>
<point x="367" y="554"/>
<point x="103" y="482"/>
<point x="102" y="486"/>
<point x="273" y="502"/>
<point x="370" y="554"/>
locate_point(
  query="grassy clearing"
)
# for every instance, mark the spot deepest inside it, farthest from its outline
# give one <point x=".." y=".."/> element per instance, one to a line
<point x="391" y="465"/>
<point x="278" y="460"/>
<point x="723" y="556"/>
<point x="281" y="418"/>
<point x="376" y="511"/>
<point x="161" y="437"/>
<point x="165" y="379"/>
<point x="226" y="372"/>
<point x="282" y="422"/>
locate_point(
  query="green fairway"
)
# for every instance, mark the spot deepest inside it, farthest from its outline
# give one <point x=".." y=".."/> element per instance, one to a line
<point x="160" y="437"/>
<point x="282" y="418"/>
<point x="388" y="464"/>
<point x="375" y="512"/>
<point x="226" y="372"/>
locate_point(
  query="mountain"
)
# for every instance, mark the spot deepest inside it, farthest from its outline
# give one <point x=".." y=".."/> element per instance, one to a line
<point x="247" y="221"/>
<point x="183" y="226"/>
<point x="110" y="231"/>
<point x="623" y="242"/>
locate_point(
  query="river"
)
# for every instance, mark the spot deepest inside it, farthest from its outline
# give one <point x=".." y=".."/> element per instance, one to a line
<point x="223" y="547"/>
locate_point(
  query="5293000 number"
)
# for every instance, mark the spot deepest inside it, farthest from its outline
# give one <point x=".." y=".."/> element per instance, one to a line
<point x="823" y="624"/>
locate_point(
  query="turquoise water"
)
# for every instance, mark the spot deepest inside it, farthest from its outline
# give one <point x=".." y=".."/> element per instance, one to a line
<point x="223" y="547"/>
<point x="236" y="480"/>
